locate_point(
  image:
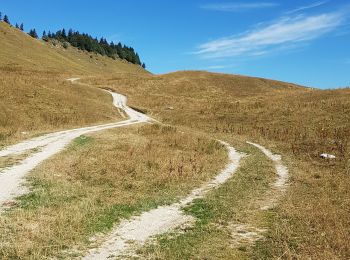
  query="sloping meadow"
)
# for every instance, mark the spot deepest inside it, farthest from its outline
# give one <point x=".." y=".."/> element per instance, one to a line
<point x="299" y="123"/>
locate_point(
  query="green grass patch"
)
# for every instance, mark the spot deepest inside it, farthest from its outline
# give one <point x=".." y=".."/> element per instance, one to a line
<point x="83" y="140"/>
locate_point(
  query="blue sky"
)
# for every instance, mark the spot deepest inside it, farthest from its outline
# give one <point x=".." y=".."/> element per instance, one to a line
<point x="306" y="42"/>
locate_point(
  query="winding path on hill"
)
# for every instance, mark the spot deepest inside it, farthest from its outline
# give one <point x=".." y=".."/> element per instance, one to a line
<point x="125" y="238"/>
<point x="12" y="178"/>
<point x="129" y="234"/>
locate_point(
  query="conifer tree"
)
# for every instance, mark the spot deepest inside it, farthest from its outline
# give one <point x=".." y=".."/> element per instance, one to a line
<point x="63" y="33"/>
<point x="0" y="16"/>
<point x="21" y="27"/>
<point x="45" y="37"/>
<point x="33" y="33"/>
<point x="17" y="26"/>
<point x="6" y="19"/>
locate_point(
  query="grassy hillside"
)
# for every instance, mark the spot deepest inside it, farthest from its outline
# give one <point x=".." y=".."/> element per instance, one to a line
<point x="309" y="120"/>
<point x="19" y="50"/>
<point x="299" y="123"/>
<point x="34" y="94"/>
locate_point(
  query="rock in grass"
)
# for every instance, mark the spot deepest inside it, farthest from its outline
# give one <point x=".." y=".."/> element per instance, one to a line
<point x="327" y="156"/>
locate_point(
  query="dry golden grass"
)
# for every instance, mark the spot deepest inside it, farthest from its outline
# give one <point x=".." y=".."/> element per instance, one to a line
<point x="101" y="179"/>
<point x="19" y="49"/>
<point x="233" y="203"/>
<point x="308" y="121"/>
<point x="33" y="103"/>
<point x="34" y="96"/>
<point x="297" y="122"/>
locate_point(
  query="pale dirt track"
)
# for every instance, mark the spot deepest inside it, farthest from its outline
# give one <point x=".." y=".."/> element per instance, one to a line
<point x="281" y="183"/>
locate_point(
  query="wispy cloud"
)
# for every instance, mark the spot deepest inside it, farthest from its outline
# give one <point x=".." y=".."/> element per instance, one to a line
<point x="236" y="7"/>
<point x="306" y="7"/>
<point x="216" y="67"/>
<point x="287" y="31"/>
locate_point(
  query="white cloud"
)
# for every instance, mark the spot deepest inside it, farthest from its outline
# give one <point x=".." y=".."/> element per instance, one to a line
<point x="303" y="8"/>
<point x="216" y="67"/>
<point x="288" y="31"/>
<point x="234" y="7"/>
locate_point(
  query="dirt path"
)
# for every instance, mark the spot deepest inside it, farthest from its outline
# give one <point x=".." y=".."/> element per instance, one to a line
<point x="12" y="179"/>
<point x="280" y="185"/>
<point x="246" y="233"/>
<point x="130" y="234"/>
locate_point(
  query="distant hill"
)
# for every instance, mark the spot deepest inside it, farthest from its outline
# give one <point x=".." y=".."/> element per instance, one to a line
<point x="19" y="50"/>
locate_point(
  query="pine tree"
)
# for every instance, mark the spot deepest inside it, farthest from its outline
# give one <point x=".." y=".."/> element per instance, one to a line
<point x="17" y="26"/>
<point x="6" y="19"/>
<point x="45" y="37"/>
<point x="63" y="34"/>
<point x="0" y="16"/>
<point x="21" y="27"/>
<point x="144" y="65"/>
<point x="70" y="34"/>
<point x="33" y="33"/>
